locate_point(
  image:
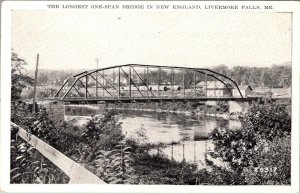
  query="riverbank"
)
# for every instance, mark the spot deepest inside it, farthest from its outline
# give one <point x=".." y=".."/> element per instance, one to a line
<point x="220" y="115"/>
<point x="188" y="108"/>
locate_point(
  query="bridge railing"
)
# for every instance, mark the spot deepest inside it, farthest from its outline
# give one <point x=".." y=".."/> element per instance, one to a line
<point x="77" y="173"/>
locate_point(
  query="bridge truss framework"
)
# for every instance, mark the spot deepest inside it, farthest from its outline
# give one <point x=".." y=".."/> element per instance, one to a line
<point x="136" y="82"/>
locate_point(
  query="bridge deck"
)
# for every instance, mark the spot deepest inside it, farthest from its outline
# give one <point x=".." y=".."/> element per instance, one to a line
<point x="148" y="99"/>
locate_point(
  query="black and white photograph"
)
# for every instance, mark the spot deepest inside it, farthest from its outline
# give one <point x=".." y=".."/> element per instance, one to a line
<point x="177" y="93"/>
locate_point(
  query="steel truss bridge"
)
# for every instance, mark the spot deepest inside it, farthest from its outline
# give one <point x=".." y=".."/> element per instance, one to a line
<point x="140" y="83"/>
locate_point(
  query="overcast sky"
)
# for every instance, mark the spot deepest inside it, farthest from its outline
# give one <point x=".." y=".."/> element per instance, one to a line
<point x="74" y="39"/>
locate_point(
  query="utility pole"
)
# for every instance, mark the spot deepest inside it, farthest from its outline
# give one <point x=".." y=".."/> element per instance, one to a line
<point x="97" y="79"/>
<point x="195" y="94"/>
<point x="158" y="81"/>
<point x="119" y="85"/>
<point x="129" y="81"/>
<point x="183" y="77"/>
<point x="86" y="85"/>
<point x="35" y="82"/>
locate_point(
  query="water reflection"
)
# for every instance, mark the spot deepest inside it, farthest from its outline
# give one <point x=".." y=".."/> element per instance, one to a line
<point x="184" y="136"/>
<point x="170" y="127"/>
<point x="189" y="151"/>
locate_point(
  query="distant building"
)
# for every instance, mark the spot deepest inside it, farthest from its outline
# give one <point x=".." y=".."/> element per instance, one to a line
<point x="145" y="88"/>
<point x="161" y="88"/>
<point x="274" y="92"/>
<point x="246" y="90"/>
<point x="215" y="88"/>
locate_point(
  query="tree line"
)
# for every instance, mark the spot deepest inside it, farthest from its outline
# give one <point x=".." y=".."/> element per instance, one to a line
<point x="276" y="76"/>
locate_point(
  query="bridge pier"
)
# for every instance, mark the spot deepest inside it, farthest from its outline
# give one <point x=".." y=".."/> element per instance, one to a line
<point x="56" y="111"/>
<point x="235" y="106"/>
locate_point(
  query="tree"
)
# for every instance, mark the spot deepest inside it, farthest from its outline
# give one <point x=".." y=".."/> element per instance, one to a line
<point x="223" y="69"/>
<point x="262" y="78"/>
<point x="19" y="80"/>
<point x="245" y="78"/>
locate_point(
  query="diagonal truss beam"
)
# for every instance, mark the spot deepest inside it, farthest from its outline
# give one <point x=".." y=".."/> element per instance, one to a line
<point x="84" y="87"/>
<point x="131" y="81"/>
<point x="77" y="91"/>
<point x="56" y="94"/>
<point x="75" y="81"/>
<point x="107" y="81"/>
<point x="101" y="85"/>
<point x="142" y="81"/>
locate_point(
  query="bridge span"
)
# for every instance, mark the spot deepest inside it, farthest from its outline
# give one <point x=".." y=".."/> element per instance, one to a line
<point x="142" y="83"/>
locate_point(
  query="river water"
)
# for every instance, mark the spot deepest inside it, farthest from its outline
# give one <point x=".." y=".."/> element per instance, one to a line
<point x="183" y="137"/>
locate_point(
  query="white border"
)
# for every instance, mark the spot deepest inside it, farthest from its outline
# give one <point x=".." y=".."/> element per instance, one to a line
<point x="5" y="109"/>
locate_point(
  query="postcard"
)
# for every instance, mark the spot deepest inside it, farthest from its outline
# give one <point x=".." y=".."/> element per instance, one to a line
<point x="150" y="96"/>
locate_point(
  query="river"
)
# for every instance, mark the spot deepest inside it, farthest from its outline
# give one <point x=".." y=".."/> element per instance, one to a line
<point x="184" y="137"/>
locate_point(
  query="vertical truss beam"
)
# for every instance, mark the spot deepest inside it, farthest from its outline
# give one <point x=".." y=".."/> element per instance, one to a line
<point x="96" y="84"/>
<point x="215" y="89"/>
<point x="86" y="85"/>
<point x="103" y="84"/>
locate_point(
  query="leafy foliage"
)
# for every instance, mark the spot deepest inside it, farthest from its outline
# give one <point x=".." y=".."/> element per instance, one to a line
<point x="156" y="169"/>
<point x="262" y="142"/>
<point x="273" y="159"/>
<point x="103" y="132"/>
<point x="19" y="79"/>
<point x="29" y="166"/>
<point x="267" y="120"/>
<point x="101" y="146"/>
<point x="275" y="76"/>
<point x="115" y="166"/>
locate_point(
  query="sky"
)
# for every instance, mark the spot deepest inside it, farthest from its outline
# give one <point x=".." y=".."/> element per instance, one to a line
<point x="74" y="39"/>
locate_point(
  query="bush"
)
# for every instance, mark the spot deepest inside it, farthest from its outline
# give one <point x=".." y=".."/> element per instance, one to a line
<point x="263" y="142"/>
<point x="29" y="166"/>
<point x="274" y="163"/>
<point x="115" y="166"/>
<point x="103" y="133"/>
<point x="100" y="134"/>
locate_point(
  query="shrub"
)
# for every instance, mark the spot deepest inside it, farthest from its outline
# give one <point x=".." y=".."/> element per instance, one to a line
<point x="103" y="133"/>
<point x="262" y="142"/>
<point x="29" y="166"/>
<point x="115" y="166"/>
